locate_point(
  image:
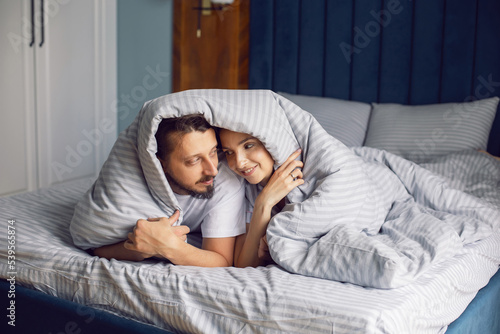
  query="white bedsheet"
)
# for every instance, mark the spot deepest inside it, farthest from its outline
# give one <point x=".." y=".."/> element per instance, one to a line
<point x="229" y="300"/>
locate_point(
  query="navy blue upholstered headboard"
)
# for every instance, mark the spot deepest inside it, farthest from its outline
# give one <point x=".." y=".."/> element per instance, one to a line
<point x="401" y="51"/>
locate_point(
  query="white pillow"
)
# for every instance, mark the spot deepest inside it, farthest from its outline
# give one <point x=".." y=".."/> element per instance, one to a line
<point x="345" y="120"/>
<point x="419" y="133"/>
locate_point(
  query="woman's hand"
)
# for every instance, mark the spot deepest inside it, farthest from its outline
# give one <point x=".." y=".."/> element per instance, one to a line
<point x="284" y="179"/>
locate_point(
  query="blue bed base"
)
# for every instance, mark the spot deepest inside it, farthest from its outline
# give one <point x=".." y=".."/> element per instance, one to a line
<point x="483" y="313"/>
<point x="37" y="312"/>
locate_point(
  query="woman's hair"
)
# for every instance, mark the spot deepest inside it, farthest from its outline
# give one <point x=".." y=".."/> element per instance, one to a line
<point x="171" y="130"/>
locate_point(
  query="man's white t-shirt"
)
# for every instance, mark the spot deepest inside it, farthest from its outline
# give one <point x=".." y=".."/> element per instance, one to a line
<point x="221" y="216"/>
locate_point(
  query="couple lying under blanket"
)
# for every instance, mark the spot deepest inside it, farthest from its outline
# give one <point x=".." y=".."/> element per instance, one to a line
<point x="317" y="208"/>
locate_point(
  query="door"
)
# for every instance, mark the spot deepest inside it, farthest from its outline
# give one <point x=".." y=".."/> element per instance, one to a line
<point x="73" y="132"/>
<point x="57" y="91"/>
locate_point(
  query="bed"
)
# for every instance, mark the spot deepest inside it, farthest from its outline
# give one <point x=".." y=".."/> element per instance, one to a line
<point x="60" y="288"/>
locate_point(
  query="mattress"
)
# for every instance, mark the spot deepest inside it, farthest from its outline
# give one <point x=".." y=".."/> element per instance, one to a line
<point x="226" y="300"/>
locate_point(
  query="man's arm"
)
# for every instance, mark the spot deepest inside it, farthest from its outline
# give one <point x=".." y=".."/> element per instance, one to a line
<point x="157" y="237"/>
<point x="215" y="252"/>
<point x="221" y="246"/>
<point x="119" y="252"/>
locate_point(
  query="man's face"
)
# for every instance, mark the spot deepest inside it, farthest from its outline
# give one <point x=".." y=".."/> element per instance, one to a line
<point x="191" y="167"/>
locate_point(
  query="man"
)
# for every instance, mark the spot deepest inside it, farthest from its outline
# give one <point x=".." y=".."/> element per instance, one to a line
<point x="187" y="150"/>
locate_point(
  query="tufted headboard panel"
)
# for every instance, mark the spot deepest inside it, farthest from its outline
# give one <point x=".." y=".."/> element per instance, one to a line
<point x="400" y="51"/>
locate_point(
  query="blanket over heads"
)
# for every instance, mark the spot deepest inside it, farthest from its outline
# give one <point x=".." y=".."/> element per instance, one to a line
<point x="363" y="216"/>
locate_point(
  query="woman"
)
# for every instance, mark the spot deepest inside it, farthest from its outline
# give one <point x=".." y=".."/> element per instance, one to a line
<point x="248" y="157"/>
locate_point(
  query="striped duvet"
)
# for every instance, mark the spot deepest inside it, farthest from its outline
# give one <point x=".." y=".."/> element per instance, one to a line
<point x="457" y="210"/>
<point x="387" y="215"/>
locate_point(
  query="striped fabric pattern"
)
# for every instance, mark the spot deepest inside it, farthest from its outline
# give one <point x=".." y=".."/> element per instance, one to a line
<point x="251" y="300"/>
<point x="333" y="220"/>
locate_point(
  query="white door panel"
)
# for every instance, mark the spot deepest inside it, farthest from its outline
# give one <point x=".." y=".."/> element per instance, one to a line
<point x="17" y="110"/>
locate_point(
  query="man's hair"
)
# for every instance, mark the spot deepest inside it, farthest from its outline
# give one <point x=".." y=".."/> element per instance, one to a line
<point x="171" y="130"/>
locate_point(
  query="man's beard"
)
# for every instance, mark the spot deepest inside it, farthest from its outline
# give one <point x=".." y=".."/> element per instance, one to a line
<point x="196" y="194"/>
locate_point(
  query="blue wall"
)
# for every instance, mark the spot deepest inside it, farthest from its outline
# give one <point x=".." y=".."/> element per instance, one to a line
<point x="144" y="54"/>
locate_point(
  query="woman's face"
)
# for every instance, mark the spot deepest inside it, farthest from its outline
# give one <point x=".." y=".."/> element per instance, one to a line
<point x="247" y="156"/>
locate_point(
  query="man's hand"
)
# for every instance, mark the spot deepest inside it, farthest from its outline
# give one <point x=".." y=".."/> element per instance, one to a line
<point x="156" y="236"/>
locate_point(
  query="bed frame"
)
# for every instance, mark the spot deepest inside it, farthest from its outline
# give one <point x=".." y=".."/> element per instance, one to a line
<point x="409" y="52"/>
<point x="49" y="314"/>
